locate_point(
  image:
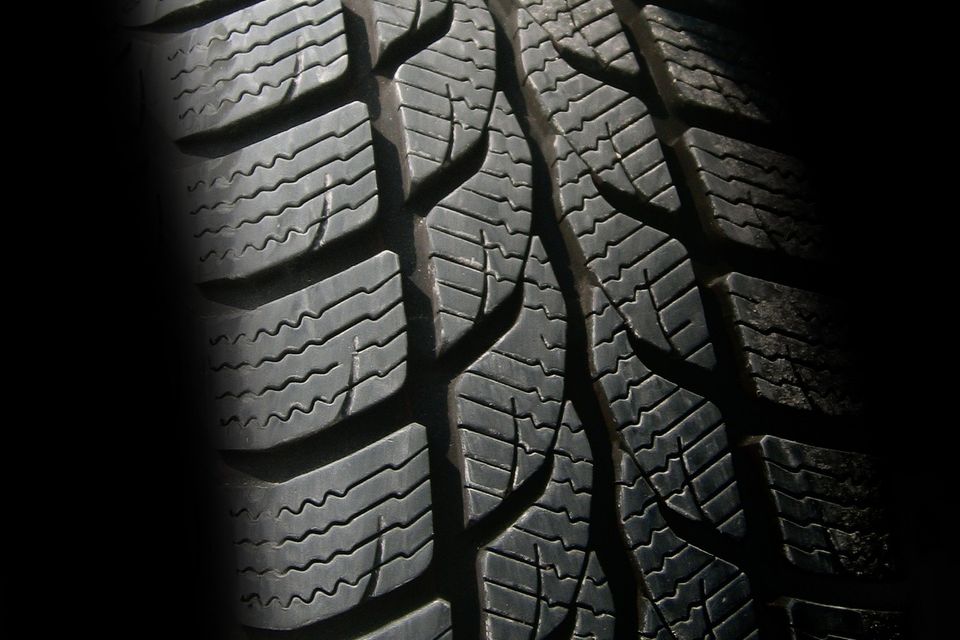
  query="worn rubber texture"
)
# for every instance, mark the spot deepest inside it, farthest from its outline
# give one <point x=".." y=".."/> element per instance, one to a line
<point x="515" y="321"/>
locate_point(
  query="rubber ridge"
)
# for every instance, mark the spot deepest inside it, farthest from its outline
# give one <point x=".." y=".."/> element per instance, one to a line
<point x="508" y="402"/>
<point x="710" y="67"/>
<point x="755" y="196"/>
<point x="792" y="345"/>
<point x="812" y="621"/>
<point x="829" y="508"/>
<point x="316" y="545"/>
<point x="478" y="236"/>
<point x="282" y="197"/>
<point x="310" y="359"/>
<point x="251" y="61"/>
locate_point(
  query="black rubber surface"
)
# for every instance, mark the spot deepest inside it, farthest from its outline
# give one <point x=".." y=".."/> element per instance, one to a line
<point x="623" y="414"/>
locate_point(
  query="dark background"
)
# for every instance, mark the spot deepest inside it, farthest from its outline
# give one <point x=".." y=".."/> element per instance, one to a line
<point x="112" y="527"/>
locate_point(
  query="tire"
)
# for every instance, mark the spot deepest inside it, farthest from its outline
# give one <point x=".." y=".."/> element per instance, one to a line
<point x="515" y="320"/>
